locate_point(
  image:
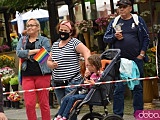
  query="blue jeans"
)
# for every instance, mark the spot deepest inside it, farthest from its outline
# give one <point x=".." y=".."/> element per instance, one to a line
<point x="68" y="103"/>
<point x="60" y="93"/>
<point x="137" y="92"/>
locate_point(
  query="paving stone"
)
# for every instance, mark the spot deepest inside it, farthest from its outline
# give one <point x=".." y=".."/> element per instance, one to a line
<point x="20" y="114"/>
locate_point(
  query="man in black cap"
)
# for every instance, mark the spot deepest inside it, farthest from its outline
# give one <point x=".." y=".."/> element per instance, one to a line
<point x="124" y="2"/>
<point x="128" y="32"/>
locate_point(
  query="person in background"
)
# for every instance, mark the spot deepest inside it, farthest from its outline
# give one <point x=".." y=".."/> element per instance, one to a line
<point x="34" y="75"/>
<point x="64" y="59"/>
<point x="94" y="67"/>
<point x="14" y="40"/>
<point x="2" y="115"/>
<point x="24" y="33"/>
<point x="128" y="32"/>
<point x="42" y="34"/>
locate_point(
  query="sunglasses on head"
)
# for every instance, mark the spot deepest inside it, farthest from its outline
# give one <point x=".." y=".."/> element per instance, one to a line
<point x="123" y="6"/>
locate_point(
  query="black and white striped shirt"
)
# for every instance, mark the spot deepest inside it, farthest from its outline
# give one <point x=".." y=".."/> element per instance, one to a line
<point x="68" y="61"/>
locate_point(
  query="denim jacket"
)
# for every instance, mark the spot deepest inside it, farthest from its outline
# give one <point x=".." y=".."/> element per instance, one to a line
<point x="143" y="35"/>
<point x="22" y="52"/>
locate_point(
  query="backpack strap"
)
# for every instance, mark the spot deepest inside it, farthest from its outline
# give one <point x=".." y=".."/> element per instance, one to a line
<point x="23" y="41"/>
<point x="135" y="18"/>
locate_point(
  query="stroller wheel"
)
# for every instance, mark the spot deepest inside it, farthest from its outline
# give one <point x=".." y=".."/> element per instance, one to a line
<point x="92" y="116"/>
<point x="112" y="117"/>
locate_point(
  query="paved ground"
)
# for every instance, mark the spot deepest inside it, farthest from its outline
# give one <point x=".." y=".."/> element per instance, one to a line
<point x="19" y="114"/>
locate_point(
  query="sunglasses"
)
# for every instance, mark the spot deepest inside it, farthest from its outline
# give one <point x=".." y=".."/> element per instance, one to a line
<point x="123" y="6"/>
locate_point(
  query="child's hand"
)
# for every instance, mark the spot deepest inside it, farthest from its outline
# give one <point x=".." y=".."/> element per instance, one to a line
<point x="86" y="81"/>
<point x="89" y="81"/>
<point x="87" y="73"/>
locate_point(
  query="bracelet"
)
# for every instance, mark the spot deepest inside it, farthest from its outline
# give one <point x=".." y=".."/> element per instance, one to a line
<point x="142" y="55"/>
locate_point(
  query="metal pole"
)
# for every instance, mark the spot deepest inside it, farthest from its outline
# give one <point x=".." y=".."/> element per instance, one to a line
<point x="70" y="8"/>
<point x="112" y="6"/>
<point x="151" y="17"/>
<point x="84" y="10"/>
<point x="6" y="18"/>
<point x="53" y="19"/>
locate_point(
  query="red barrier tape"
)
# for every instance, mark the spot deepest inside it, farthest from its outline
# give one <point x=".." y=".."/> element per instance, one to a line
<point x="70" y="86"/>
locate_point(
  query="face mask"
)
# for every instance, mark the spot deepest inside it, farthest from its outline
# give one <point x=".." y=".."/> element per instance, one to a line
<point x="63" y="35"/>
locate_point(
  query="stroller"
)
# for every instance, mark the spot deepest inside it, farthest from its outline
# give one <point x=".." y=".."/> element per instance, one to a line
<point x="101" y="94"/>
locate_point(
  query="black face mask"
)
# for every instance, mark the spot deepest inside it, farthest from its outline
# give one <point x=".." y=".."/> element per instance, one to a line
<point x="64" y="34"/>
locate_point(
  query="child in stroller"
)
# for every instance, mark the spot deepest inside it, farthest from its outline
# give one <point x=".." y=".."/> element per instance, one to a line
<point x="94" y="67"/>
<point x="99" y="94"/>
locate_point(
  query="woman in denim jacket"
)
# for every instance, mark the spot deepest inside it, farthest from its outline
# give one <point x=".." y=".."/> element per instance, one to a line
<point x="34" y="75"/>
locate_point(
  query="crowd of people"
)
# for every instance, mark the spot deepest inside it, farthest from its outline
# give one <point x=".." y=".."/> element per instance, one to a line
<point x="127" y="32"/>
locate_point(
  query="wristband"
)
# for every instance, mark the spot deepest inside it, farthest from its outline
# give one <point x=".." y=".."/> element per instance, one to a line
<point x="142" y="55"/>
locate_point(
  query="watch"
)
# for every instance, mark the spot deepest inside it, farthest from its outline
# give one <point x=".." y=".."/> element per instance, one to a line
<point x="142" y="55"/>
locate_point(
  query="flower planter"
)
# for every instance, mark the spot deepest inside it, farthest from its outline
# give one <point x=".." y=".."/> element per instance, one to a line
<point x="87" y="39"/>
<point x="101" y="44"/>
<point x="155" y="88"/>
<point x="147" y="91"/>
<point x="12" y="54"/>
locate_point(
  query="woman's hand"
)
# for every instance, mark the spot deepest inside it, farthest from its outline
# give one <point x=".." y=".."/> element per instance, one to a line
<point x="34" y="51"/>
<point x="2" y="116"/>
<point x="54" y="64"/>
<point x="51" y="64"/>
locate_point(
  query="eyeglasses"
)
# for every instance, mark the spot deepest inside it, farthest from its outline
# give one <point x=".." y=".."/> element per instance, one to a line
<point x="30" y="25"/>
<point x="123" y="6"/>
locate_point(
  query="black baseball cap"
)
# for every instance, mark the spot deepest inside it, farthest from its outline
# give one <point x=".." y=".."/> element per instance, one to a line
<point x="124" y="2"/>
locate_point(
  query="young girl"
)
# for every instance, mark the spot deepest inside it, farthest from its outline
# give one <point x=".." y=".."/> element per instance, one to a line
<point x="94" y="67"/>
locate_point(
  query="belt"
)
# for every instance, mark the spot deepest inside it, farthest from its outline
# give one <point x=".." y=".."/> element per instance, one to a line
<point x="60" y="81"/>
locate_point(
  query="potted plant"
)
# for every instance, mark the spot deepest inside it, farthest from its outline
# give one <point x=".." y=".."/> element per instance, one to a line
<point x="102" y="23"/>
<point x="8" y="78"/>
<point x="146" y="16"/>
<point x="4" y="48"/>
<point x="7" y="61"/>
<point x="150" y="87"/>
<point x="156" y="28"/>
<point x="84" y="28"/>
<point x="150" y="66"/>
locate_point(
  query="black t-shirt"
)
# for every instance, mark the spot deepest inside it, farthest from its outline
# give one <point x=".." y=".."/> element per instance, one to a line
<point x="32" y="65"/>
<point x="130" y="45"/>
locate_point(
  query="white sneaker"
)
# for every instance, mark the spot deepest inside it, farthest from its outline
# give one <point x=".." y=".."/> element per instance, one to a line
<point x="63" y="118"/>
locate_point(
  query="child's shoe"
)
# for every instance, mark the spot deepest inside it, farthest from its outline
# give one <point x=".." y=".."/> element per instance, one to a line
<point x="57" y="118"/>
<point x="63" y="118"/>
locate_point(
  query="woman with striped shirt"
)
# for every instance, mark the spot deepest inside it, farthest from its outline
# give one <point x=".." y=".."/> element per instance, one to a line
<point x="64" y="59"/>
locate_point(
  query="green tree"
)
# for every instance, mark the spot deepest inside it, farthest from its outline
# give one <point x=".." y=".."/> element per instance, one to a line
<point x="20" y="5"/>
